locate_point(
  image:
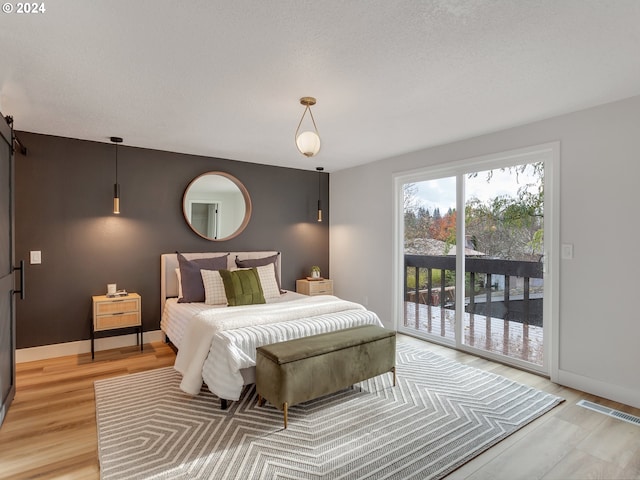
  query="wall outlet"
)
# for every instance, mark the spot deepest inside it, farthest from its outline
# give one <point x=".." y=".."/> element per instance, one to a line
<point x="35" y="257"/>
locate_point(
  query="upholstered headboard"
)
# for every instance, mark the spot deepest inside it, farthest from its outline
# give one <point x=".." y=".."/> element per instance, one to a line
<point x="169" y="263"/>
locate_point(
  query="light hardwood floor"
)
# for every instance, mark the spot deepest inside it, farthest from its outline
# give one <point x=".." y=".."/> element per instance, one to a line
<point x="50" y="430"/>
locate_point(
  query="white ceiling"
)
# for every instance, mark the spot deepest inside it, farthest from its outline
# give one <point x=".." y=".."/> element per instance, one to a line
<point x="224" y="78"/>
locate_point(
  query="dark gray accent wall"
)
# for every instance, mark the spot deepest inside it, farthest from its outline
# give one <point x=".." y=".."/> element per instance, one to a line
<point x="64" y="191"/>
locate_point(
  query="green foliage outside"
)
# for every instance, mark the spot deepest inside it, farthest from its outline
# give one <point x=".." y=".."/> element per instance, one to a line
<point x="436" y="277"/>
<point x="411" y="278"/>
<point x="508" y="227"/>
<point x="504" y="227"/>
<point x="450" y="279"/>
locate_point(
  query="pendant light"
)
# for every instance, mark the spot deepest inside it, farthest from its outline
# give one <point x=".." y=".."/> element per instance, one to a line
<point x="319" y="169"/>
<point x="308" y="142"/>
<point x="116" y="186"/>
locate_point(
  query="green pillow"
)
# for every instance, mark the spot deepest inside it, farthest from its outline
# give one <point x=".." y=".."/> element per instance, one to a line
<point x="242" y="287"/>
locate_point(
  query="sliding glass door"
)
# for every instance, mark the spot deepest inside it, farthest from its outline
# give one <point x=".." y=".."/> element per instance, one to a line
<point x="429" y="211"/>
<point x="504" y="287"/>
<point x="472" y="250"/>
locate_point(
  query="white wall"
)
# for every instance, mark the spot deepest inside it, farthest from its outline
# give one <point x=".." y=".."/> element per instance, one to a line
<point x="599" y="320"/>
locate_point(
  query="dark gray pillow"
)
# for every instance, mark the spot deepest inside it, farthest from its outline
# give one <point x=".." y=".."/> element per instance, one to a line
<point x="191" y="278"/>
<point x="259" y="262"/>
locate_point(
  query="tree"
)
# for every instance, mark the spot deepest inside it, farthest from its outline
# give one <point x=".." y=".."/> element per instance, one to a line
<point x="410" y="197"/>
<point x="444" y="228"/>
<point x="510" y="227"/>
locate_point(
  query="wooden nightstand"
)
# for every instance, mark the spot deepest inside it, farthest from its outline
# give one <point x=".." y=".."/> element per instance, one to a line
<point x="115" y="313"/>
<point x="314" y="287"/>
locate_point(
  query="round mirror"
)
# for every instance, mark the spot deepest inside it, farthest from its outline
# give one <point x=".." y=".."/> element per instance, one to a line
<point x="216" y="206"/>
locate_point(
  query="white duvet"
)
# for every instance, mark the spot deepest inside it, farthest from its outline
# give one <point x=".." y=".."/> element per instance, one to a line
<point x="219" y="342"/>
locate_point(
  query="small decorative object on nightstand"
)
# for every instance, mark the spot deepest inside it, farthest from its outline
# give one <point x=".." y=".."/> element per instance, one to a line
<point x="310" y="286"/>
<point x="116" y="313"/>
<point x="315" y="272"/>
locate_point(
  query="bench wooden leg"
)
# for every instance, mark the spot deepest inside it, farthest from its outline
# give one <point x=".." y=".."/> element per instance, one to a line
<point x="394" y="376"/>
<point x="285" y="410"/>
<point x="260" y="400"/>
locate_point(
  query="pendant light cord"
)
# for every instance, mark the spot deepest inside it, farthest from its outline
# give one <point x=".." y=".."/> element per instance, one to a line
<point x="116" y="163"/>
<point x="116" y="141"/>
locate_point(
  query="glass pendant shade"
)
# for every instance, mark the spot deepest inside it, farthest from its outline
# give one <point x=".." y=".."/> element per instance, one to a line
<point x="308" y="143"/>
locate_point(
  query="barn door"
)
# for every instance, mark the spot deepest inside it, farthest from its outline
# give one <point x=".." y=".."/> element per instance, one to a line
<point x="7" y="302"/>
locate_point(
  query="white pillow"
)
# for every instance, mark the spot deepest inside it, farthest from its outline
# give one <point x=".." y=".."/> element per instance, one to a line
<point x="214" y="293"/>
<point x="267" y="275"/>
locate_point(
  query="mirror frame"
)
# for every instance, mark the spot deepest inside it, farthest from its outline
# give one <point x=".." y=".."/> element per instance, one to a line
<point x="245" y="196"/>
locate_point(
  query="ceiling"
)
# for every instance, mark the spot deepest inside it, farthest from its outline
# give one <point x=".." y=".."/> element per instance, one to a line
<point x="224" y="78"/>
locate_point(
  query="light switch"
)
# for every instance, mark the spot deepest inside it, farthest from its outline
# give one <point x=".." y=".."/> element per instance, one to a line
<point x="36" y="257"/>
<point x="567" y="251"/>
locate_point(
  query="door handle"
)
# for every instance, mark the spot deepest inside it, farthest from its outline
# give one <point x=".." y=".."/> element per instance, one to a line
<point x="21" y="268"/>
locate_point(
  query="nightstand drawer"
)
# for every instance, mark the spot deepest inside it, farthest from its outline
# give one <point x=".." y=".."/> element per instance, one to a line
<point x="320" y="287"/>
<point x="117" y="306"/>
<point x="107" y="322"/>
<point x="314" y="287"/>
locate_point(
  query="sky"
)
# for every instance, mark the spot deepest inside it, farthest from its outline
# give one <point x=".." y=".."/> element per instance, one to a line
<point x="441" y="193"/>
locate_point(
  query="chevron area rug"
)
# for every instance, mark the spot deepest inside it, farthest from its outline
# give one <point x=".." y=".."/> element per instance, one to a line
<point x="439" y="416"/>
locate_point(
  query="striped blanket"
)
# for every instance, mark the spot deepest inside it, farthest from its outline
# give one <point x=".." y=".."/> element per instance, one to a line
<point x="218" y="343"/>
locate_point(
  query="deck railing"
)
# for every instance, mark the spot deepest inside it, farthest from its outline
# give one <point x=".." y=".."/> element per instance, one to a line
<point x="478" y="299"/>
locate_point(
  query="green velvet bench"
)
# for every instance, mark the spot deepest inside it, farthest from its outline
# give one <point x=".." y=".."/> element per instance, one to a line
<point x="295" y="371"/>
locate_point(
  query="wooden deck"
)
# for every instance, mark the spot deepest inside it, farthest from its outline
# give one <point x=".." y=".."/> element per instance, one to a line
<point x="504" y="337"/>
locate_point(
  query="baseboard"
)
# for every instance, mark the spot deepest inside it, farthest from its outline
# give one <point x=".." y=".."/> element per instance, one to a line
<point x="83" y="346"/>
<point x="610" y="391"/>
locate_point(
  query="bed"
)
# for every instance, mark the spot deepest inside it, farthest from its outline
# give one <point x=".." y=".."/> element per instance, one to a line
<point x="216" y="343"/>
